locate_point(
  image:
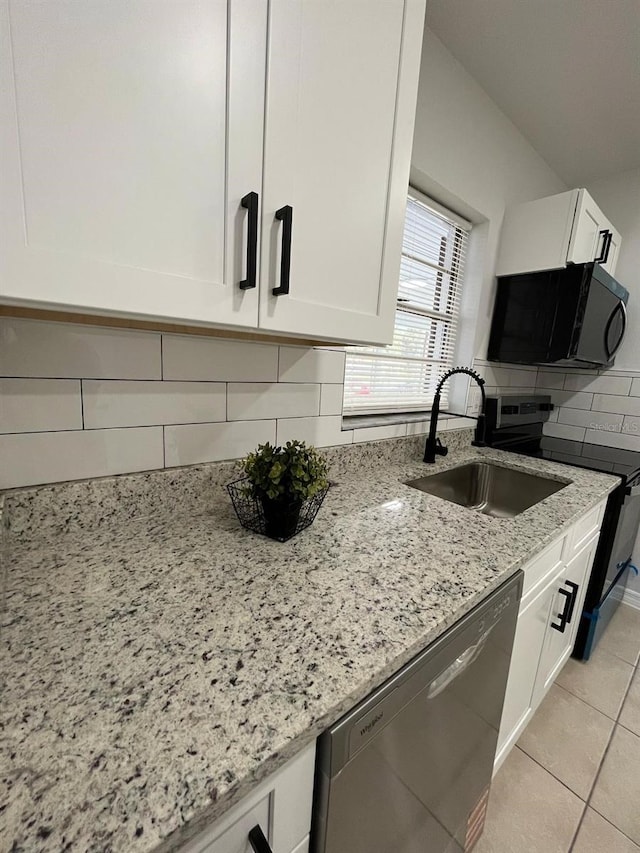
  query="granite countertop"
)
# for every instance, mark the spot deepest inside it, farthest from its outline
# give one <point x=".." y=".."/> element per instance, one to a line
<point x="154" y="672"/>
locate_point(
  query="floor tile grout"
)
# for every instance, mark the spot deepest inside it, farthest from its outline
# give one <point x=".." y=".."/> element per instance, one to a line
<point x="587" y="802"/>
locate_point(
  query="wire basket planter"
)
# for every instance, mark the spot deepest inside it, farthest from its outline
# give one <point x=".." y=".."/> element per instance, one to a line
<point x="283" y="525"/>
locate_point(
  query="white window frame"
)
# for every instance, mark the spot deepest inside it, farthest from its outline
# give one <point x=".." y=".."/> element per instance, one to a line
<point x="439" y="366"/>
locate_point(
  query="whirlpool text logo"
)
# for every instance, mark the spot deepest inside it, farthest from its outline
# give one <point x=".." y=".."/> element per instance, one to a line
<point x="372" y="722"/>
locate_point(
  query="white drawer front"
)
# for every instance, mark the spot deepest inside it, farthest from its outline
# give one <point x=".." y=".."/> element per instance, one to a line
<point x="541" y="567"/>
<point x="584" y="530"/>
<point x="281" y="805"/>
<point x="236" y="838"/>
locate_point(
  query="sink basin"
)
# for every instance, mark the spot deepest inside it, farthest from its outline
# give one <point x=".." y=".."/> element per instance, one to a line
<point x="491" y="489"/>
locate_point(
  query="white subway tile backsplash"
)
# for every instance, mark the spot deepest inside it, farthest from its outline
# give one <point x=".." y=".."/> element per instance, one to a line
<point x="260" y="401"/>
<point x="331" y="399"/>
<point x="523" y="378"/>
<point x="421" y="427"/>
<point x="591" y="420"/>
<point x="191" y="443"/>
<point x="132" y="403"/>
<point x="379" y="432"/>
<point x="572" y="399"/>
<point x="322" y="432"/>
<point x="597" y="384"/>
<point x="631" y="425"/>
<point x="298" y="364"/>
<point x="213" y="360"/>
<point x="550" y="379"/>
<point x="39" y="405"/>
<point x="572" y="433"/>
<point x="624" y="440"/>
<point x="619" y="405"/>
<point x="49" y="457"/>
<point x="496" y="376"/>
<point x="67" y="351"/>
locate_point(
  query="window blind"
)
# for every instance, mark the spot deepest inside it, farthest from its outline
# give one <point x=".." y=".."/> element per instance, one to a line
<point x="404" y="375"/>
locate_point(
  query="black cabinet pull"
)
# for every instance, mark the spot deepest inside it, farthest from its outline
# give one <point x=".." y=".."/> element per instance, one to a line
<point x="258" y="841"/>
<point x="574" y="597"/>
<point x="570" y="598"/>
<point x="285" y="214"/>
<point x="606" y="245"/>
<point x="561" y="625"/>
<point x="250" y="202"/>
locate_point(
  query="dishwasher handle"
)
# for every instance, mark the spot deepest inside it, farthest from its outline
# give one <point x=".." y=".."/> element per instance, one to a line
<point x="460" y="664"/>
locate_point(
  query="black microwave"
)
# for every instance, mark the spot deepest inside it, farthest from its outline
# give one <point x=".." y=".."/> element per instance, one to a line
<point x="571" y="316"/>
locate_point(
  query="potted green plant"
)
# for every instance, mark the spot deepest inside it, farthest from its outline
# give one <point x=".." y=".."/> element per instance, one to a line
<point x="282" y="479"/>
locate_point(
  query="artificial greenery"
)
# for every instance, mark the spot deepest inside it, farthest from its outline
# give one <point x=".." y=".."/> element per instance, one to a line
<point x="294" y="472"/>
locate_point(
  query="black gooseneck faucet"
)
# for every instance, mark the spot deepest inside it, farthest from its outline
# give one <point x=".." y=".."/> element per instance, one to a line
<point x="433" y="446"/>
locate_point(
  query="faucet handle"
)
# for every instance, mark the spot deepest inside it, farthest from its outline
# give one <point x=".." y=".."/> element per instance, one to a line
<point x="440" y="449"/>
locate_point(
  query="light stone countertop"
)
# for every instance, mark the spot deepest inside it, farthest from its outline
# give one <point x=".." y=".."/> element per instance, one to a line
<point x="153" y="673"/>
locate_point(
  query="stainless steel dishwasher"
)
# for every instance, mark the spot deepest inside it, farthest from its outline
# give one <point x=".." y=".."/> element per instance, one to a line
<point x="408" y="770"/>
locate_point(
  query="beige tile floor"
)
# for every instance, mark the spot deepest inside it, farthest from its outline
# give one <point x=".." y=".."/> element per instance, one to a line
<point x="572" y="783"/>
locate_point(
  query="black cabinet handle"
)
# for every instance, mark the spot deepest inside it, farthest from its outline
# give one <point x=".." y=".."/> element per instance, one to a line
<point x="285" y="214"/>
<point x="570" y="598"/>
<point x="250" y="202"/>
<point x="258" y="841"/>
<point x="574" y="597"/>
<point x="561" y="625"/>
<point x="606" y="245"/>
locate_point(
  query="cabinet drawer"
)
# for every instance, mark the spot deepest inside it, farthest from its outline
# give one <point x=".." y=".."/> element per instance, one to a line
<point x="281" y="805"/>
<point x="236" y="838"/>
<point x="584" y="530"/>
<point x="542" y="566"/>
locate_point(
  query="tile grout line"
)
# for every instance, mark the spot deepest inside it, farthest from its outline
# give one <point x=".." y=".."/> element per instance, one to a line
<point x="600" y="766"/>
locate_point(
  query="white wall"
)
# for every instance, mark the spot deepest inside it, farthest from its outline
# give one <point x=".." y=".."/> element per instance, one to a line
<point x="619" y="198"/>
<point x="468" y="155"/>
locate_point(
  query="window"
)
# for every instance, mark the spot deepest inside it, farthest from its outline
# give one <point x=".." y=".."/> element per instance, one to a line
<point x="403" y="376"/>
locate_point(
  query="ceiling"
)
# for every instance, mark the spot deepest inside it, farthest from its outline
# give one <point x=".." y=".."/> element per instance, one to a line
<point x="566" y="72"/>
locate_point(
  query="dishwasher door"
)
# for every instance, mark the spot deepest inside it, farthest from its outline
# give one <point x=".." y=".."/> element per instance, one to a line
<point x="409" y="769"/>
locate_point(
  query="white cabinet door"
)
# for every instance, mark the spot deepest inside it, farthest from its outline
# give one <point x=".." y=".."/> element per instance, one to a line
<point x="614" y="250"/>
<point x="126" y="154"/>
<point x="589" y="231"/>
<point x="341" y="92"/>
<point x="527" y="648"/>
<point x="568" y="597"/>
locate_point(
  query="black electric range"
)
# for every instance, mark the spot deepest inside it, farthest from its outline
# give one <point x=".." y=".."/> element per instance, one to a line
<point x="515" y="423"/>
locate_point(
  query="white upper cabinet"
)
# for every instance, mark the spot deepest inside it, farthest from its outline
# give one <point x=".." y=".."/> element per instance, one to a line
<point x="132" y="131"/>
<point x="126" y="159"/>
<point x="334" y="106"/>
<point x="549" y="233"/>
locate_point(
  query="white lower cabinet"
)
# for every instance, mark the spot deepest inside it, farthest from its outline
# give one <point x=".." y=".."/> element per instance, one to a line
<point x="567" y="597"/>
<point x="280" y="806"/>
<point x="554" y="589"/>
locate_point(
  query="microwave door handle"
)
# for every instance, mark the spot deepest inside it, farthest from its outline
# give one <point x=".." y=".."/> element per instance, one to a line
<point x="623" y="310"/>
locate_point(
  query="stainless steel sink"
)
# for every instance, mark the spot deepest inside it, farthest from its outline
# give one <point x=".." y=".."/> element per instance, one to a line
<point x="491" y="489"/>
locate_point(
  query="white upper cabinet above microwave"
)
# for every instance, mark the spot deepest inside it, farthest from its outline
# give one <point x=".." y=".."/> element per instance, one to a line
<point x="549" y="233"/>
<point x="184" y="160"/>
